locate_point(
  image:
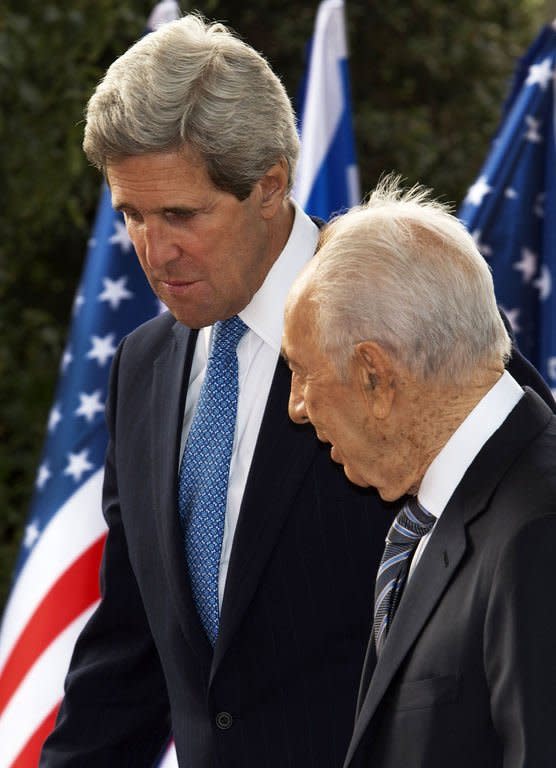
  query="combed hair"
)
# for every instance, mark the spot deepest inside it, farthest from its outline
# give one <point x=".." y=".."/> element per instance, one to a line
<point x="403" y="271"/>
<point x="194" y="83"/>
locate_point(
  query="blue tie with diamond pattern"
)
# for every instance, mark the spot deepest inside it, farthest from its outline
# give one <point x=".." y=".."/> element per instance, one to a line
<point x="411" y="524"/>
<point x="205" y="468"/>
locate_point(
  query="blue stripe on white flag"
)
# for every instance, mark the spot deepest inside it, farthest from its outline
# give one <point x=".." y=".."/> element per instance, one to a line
<point x="327" y="178"/>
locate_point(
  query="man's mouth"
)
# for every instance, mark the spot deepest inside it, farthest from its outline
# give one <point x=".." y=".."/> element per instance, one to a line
<point x="178" y="286"/>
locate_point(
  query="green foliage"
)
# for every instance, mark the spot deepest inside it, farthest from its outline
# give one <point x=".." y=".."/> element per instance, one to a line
<point x="428" y="80"/>
<point x="435" y="81"/>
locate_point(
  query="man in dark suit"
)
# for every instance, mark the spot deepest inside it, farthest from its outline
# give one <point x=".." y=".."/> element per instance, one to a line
<point x="397" y="353"/>
<point x="198" y="142"/>
<point x="251" y="660"/>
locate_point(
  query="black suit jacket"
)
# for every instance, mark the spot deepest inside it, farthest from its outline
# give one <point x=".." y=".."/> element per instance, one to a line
<point x="281" y="687"/>
<point x="467" y="676"/>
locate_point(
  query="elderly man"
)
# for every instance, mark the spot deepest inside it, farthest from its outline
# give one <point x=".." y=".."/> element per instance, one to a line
<point x="397" y="352"/>
<point x="235" y="608"/>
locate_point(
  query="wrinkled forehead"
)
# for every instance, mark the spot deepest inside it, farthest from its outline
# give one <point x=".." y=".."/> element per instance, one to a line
<point x="300" y="346"/>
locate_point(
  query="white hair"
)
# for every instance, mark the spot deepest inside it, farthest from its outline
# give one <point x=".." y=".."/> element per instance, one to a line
<point x="194" y="83"/>
<point x="403" y="271"/>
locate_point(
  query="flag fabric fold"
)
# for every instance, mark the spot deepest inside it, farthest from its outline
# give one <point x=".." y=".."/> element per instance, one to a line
<point x="327" y="179"/>
<point x="511" y="208"/>
<point x="55" y="586"/>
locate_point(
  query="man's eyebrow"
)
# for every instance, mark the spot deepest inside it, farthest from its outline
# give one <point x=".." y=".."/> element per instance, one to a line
<point x="181" y="210"/>
<point x="292" y="365"/>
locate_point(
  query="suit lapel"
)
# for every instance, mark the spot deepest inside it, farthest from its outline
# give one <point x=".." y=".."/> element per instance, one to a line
<point x="282" y="456"/>
<point x="444" y="552"/>
<point x="170" y="376"/>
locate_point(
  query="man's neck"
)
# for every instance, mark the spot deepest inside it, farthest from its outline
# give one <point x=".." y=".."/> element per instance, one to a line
<point x="280" y="228"/>
<point x="437" y="414"/>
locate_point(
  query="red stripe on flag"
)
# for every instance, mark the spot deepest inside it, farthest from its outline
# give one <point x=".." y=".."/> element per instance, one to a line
<point x="75" y="591"/>
<point x="29" y="755"/>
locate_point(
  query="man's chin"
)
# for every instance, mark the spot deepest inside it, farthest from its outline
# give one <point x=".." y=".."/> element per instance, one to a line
<point x="355" y="478"/>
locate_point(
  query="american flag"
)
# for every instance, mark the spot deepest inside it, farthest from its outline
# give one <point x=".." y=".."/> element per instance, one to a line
<point x="511" y="208"/>
<point x="327" y="179"/>
<point x="56" y="578"/>
<point x="55" y="587"/>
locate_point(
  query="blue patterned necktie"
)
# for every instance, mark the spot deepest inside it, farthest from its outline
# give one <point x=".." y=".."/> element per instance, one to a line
<point x="205" y="468"/>
<point x="411" y="524"/>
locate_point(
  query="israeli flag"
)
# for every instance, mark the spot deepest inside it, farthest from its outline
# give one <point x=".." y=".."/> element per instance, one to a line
<point x="327" y="179"/>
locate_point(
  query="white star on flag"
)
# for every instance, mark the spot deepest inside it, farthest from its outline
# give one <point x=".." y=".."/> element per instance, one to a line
<point x="483" y="248"/>
<point x="32" y="533"/>
<point x="161" y="306"/>
<point x="544" y="283"/>
<point x="102" y="349"/>
<point x="115" y="291"/>
<point x="551" y="365"/>
<point x="77" y="304"/>
<point x="78" y="463"/>
<point x="510" y="193"/>
<point x="43" y="475"/>
<point x="120" y="236"/>
<point x="513" y="317"/>
<point x="540" y="74"/>
<point x="66" y="359"/>
<point x="54" y="418"/>
<point x="477" y="191"/>
<point x="528" y="264"/>
<point x="532" y="134"/>
<point x="90" y="405"/>
<point x="538" y="208"/>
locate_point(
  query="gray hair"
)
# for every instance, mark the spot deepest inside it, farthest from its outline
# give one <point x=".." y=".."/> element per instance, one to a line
<point x="194" y="83"/>
<point x="404" y="272"/>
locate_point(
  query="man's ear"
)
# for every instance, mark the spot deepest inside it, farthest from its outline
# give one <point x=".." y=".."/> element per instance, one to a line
<point x="272" y="187"/>
<point x="376" y="371"/>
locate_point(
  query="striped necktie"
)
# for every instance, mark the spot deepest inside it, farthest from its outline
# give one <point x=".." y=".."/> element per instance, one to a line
<point x="411" y="524"/>
<point x="205" y="469"/>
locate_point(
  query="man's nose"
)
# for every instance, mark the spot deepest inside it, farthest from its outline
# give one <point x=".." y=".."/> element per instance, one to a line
<point x="159" y="245"/>
<point x="296" y="404"/>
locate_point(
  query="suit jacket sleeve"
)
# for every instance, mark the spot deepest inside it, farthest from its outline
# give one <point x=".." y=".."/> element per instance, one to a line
<point x="115" y="711"/>
<point x="520" y="638"/>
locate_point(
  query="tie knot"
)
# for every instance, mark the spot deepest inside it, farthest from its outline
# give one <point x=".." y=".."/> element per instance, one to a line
<point x="226" y="335"/>
<point x="411" y="524"/>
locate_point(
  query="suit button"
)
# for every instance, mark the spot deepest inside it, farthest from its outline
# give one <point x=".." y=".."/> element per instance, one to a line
<point x="224" y="720"/>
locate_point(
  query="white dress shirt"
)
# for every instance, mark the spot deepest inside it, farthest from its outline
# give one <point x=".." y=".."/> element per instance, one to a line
<point x="258" y="353"/>
<point x="447" y="469"/>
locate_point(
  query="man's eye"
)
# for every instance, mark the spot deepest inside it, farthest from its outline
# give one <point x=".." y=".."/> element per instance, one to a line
<point x="178" y="216"/>
<point x="131" y="216"/>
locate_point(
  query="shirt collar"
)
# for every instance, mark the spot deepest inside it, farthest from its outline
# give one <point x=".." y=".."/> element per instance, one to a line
<point x="265" y="312"/>
<point x="449" y="466"/>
